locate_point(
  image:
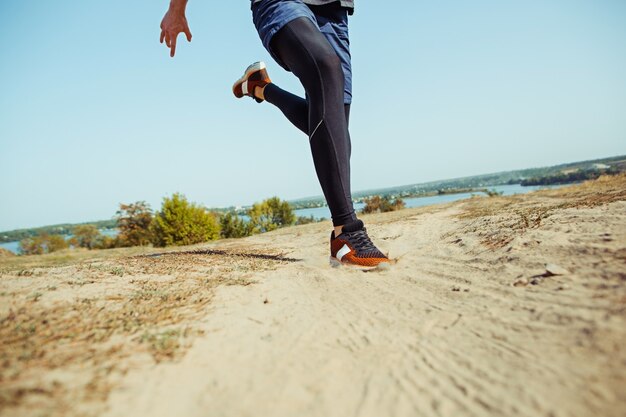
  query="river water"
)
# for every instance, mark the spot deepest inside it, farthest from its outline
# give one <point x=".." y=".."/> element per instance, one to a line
<point x="324" y="213"/>
<point x="15" y="245"/>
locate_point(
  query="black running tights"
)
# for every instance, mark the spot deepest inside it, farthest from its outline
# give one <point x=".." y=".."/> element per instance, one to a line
<point x="323" y="115"/>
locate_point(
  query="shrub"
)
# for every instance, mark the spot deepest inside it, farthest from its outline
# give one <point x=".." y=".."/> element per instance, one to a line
<point x="41" y="244"/>
<point x="271" y="214"/>
<point x="494" y="193"/>
<point x="306" y="220"/>
<point x="108" y="242"/>
<point x="86" y="236"/>
<point x="31" y="246"/>
<point x="133" y="222"/>
<point x="182" y="223"/>
<point x="233" y="226"/>
<point x="378" y="204"/>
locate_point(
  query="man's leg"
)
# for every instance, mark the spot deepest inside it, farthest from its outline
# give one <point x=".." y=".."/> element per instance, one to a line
<point x="295" y="109"/>
<point x="307" y="53"/>
<point x="320" y="61"/>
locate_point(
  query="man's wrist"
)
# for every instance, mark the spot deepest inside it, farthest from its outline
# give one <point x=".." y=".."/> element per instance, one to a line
<point x="178" y="6"/>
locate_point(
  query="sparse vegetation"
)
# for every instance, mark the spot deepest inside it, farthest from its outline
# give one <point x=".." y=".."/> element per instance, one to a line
<point x="378" y="204"/>
<point x="44" y="243"/>
<point x="306" y="220"/>
<point x="493" y="193"/>
<point x="146" y="305"/>
<point x="514" y="216"/>
<point x="5" y="253"/>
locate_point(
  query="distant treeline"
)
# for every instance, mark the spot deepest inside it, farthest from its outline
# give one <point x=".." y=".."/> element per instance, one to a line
<point x="57" y="229"/>
<point x="559" y="174"/>
<point x="570" y="177"/>
<point x="476" y="183"/>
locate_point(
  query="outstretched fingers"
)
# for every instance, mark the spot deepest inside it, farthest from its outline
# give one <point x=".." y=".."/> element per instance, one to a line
<point x="173" y="45"/>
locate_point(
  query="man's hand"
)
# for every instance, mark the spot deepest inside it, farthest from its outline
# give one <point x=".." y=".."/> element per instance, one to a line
<point x="173" y="23"/>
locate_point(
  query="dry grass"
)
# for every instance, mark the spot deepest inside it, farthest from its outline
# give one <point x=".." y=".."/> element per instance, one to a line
<point x="498" y="220"/>
<point x="69" y="257"/>
<point x="64" y="330"/>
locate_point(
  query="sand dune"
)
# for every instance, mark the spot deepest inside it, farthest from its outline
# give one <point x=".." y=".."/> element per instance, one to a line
<point x="468" y="322"/>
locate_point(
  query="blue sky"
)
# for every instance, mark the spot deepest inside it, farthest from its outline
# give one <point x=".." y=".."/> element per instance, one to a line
<point x="94" y="112"/>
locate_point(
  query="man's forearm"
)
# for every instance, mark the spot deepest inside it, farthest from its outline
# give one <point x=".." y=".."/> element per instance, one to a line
<point x="178" y="6"/>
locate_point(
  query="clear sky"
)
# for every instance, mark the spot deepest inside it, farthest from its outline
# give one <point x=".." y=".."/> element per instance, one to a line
<point x="94" y="112"/>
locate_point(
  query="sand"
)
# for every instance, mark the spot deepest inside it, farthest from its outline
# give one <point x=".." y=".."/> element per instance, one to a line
<point x="467" y="322"/>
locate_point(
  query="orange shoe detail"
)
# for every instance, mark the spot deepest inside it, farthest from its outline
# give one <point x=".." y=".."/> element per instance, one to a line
<point x="354" y="247"/>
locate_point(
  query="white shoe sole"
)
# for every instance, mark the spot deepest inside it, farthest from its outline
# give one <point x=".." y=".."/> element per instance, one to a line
<point x="257" y="66"/>
<point x="336" y="263"/>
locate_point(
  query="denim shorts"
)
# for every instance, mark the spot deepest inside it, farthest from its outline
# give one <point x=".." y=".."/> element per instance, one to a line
<point x="270" y="16"/>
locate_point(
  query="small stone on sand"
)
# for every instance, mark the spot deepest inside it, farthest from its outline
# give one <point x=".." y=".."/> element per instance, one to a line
<point x="553" y="269"/>
<point x="520" y="282"/>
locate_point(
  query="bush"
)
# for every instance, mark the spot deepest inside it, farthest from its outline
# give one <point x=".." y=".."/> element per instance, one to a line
<point x="306" y="220"/>
<point x="108" y="242"/>
<point x="378" y="204"/>
<point x="271" y="214"/>
<point x="233" y="226"/>
<point x="182" y="223"/>
<point x="41" y="244"/>
<point x="494" y="193"/>
<point x="133" y="222"/>
<point x="86" y="236"/>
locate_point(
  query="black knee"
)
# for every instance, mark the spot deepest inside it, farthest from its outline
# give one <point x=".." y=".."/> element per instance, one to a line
<point x="323" y="76"/>
<point x="329" y="66"/>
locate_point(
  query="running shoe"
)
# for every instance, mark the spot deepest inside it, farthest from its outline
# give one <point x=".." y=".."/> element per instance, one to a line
<point x="353" y="247"/>
<point x="255" y="76"/>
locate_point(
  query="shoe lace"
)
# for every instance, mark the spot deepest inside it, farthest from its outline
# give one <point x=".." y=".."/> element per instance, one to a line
<point x="361" y="241"/>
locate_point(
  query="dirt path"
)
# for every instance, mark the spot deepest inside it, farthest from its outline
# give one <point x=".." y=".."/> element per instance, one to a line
<point x="467" y="323"/>
<point x="444" y="333"/>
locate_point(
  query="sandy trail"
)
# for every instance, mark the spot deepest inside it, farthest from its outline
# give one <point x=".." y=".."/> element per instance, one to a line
<point x="443" y="333"/>
<point x="467" y="323"/>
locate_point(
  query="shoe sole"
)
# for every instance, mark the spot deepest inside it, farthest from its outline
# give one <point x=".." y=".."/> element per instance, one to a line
<point x="336" y="263"/>
<point x="257" y="66"/>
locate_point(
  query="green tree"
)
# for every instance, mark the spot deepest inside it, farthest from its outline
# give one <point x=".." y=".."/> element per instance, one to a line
<point x="271" y="214"/>
<point x="183" y="223"/>
<point x="86" y="236"/>
<point x="233" y="226"/>
<point x="133" y="222"/>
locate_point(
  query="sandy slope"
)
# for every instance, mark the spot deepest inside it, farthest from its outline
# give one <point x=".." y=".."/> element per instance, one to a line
<point x="443" y="333"/>
<point x="467" y="323"/>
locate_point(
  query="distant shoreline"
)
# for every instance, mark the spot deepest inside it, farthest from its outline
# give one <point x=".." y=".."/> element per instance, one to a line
<point x="472" y="184"/>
